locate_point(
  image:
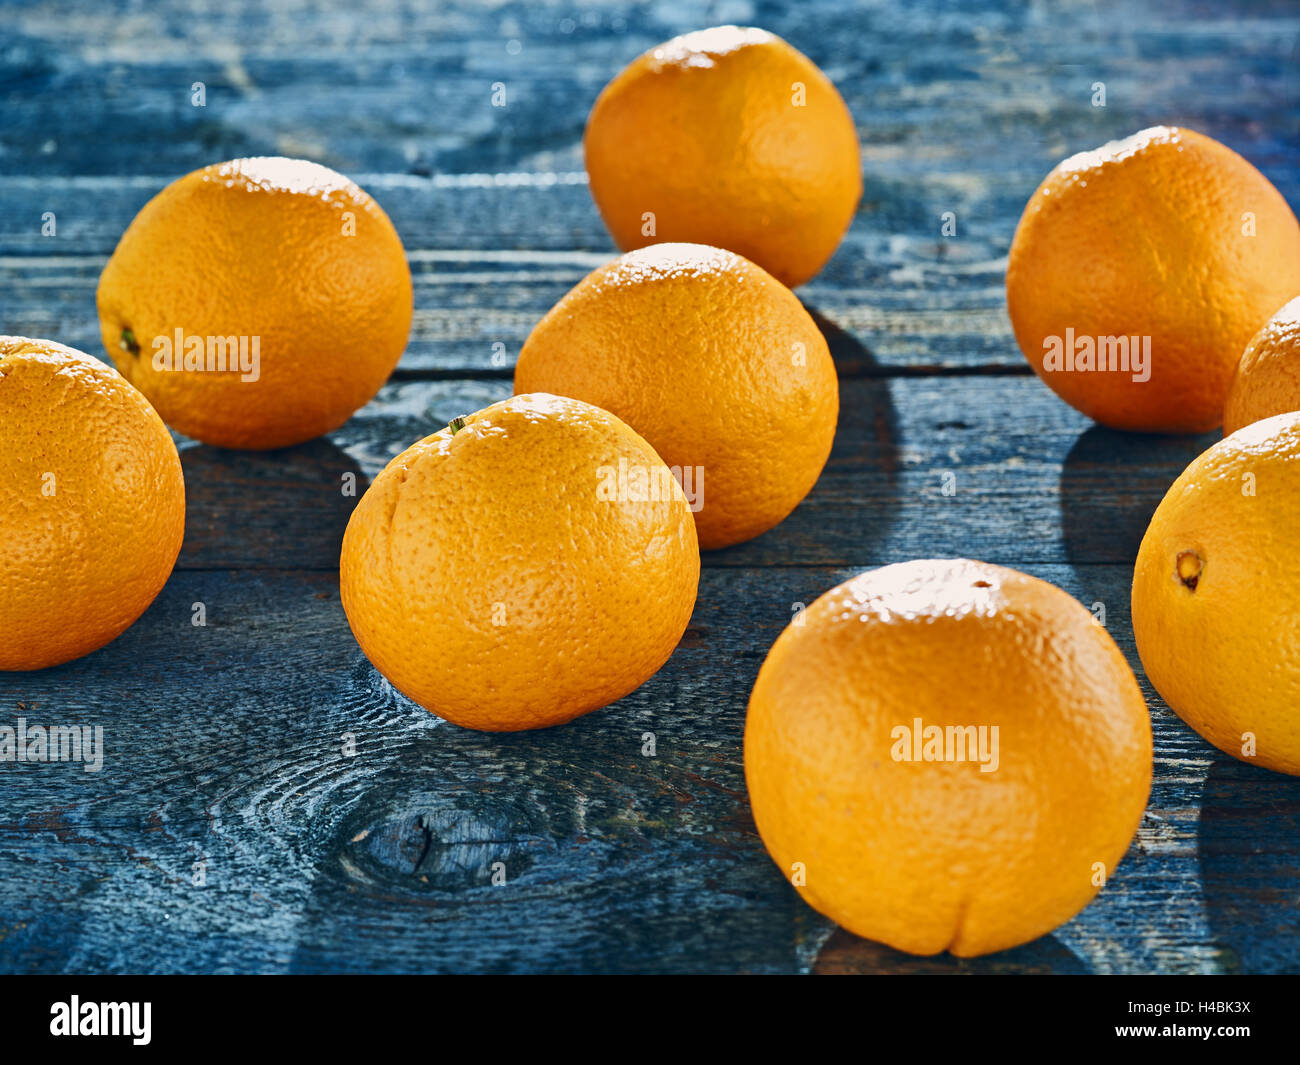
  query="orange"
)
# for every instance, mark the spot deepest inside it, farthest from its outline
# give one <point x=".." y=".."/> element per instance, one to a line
<point x="1157" y="258"/>
<point x="257" y="303"/>
<point x="947" y="755"/>
<point x="527" y="564"/>
<point x="1267" y="380"/>
<point x="714" y="362"/>
<point x="1215" y="594"/>
<point x="726" y="136"/>
<point x="92" y="504"/>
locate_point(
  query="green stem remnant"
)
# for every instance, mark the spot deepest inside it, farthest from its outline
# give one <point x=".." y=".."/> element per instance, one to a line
<point x="1189" y="565"/>
<point x="129" y="342"/>
<point x="457" y="424"/>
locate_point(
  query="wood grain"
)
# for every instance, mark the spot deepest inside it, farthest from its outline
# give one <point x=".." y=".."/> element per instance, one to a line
<point x="995" y="467"/>
<point x="225" y="746"/>
<point x="228" y="755"/>
<point x="960" y="112"/>
<point x="474" y="309"/>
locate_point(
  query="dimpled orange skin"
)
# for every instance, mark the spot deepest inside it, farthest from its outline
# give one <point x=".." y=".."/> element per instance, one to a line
<point x="258" y="247"/>
<point x="485" y="577"/>
<point x="933" y="856"/>
<point x="714" y="362"/>
<point x="1144" y="238"/>
<point x="1219" y="630"/>
<point x="1267" y="380"/>
<point x="703" y="132"/>
<point x="92" y="504"/>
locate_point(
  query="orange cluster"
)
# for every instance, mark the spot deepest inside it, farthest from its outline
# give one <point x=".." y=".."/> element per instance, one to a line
<point x="940" y="754"/>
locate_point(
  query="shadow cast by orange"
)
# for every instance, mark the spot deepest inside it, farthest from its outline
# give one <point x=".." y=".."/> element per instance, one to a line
<point x="268" y="509"/>
<point x="846" y="955"/>
<point x="1112" y="482"/>
<point x="1249" y="844"/>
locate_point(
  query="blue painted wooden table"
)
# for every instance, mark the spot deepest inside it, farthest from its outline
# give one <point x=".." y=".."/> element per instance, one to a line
<point x="268" y="803"/>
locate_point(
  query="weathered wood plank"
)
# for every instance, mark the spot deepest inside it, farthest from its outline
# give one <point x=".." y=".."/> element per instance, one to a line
<point x="996" y="467"/>
<point x="474" y="309"/>
<point x="407" y="87"/>
<point x="225" y="742"/>
<point x="958" y="113"/>
<point x="224" y="746"/>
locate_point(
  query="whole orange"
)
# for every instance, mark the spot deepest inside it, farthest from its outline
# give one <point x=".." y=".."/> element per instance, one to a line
<point x="1140" y="270"/>
<point x="1267" y="379"/>
<point x="947" y="755"/>
<point x="726" y="136"/>
<point x="1216" y="594"/>
<point x="527" y="564"/>
<point x="92" y="504"/>
<point x="257" y="303"/>
<point x="714" y="362"/>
